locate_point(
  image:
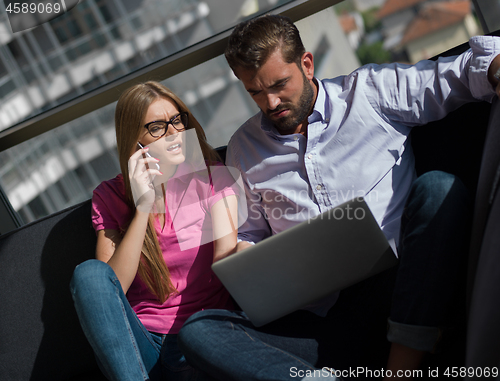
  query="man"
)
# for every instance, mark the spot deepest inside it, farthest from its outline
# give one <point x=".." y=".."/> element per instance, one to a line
<point x="314" y="142"/>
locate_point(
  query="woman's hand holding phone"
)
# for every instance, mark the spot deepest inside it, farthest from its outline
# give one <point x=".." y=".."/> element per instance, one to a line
<point x="141" y="174"/>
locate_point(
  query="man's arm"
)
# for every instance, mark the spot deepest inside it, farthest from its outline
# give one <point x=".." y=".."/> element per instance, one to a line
<point x="255" y="228"/>
<point x="412" y="95"/>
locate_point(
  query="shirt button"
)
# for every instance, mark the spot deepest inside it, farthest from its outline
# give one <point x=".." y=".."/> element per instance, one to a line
<point x="318" y="187"/>
<point x="295" y="138"/>
<point x="309" y="156"/>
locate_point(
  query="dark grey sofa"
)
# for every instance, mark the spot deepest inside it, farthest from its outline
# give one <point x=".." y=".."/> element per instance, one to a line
<point x="40" y="337"/>
<point x="483" y="334"/>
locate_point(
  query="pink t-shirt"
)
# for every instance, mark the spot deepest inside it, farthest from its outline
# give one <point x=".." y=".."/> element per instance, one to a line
<point x="190" y="197"/>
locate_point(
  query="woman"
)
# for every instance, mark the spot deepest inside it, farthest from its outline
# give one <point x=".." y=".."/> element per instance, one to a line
<point x="152" y="245"/>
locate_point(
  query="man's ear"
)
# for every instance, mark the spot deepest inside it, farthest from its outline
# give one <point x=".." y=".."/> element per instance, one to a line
<point x="307" y="63"/>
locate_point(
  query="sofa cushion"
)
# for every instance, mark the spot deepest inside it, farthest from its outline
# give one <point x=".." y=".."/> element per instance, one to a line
<point x="41" y="338"/>
<point x="453" y="144"/>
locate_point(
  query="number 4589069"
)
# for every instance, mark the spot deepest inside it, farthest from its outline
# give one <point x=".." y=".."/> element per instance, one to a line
<point x="462" y="372"/>
<point x="39" y="8"/>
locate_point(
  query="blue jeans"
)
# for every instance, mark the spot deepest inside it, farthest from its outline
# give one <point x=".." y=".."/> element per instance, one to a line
<point x="433" y="248"/>
<point x="124" y="349"/>
<point x="415" y="295"/>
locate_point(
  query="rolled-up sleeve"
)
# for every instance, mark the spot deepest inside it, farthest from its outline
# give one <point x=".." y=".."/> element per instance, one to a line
<point x="484" y="50"/>
<point x="427" y="91"/>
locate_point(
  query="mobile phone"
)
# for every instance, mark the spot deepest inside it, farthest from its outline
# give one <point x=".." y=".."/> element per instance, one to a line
<point x="147" y="154"/>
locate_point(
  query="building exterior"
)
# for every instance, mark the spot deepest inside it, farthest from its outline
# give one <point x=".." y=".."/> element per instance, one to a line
<point x="420" y="29"/>
<point x="99" y="41"/>
<point x="353" y="27"/>
<point x="437" y="27"/>
<point x="395" y="16"/>
<point x="364" y="5"/>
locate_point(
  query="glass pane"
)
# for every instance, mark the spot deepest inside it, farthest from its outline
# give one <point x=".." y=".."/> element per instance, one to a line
<point x="406" y="31"/>
<point x="490" y="10"/>
<point x="3" y="70"/>
<point x="55" y="62"/>
<point x="17" y="53"/>
<point x="61" y="34"/>
<point x="6" y="86"/>
<point x="43" y="40"/>
<point x="63" y="166"/>
<point x="108" y="11"/>
<point x="139" y="31"/>
<point x="90" y="20"/>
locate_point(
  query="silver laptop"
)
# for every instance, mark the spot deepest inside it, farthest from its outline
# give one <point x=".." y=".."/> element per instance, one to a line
<point x="305" y="263"/>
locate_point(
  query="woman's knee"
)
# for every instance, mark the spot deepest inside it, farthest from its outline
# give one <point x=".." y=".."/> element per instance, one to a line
<point x="90" y="274"/>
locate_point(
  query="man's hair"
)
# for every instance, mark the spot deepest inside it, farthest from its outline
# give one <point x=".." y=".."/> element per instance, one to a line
<point x="253" y="41"/>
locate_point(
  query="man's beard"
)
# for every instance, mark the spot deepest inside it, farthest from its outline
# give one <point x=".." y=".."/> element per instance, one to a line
<point x="298" y="113"/>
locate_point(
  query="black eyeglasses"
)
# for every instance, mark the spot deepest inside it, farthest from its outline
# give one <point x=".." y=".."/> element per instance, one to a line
<point x="159" y="128"/>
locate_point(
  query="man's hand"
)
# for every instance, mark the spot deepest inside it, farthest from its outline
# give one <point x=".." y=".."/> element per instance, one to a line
<point x="492" y="70"/>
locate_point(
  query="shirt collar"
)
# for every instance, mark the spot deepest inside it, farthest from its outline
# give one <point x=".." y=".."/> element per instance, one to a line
<point x="321" y="111"/>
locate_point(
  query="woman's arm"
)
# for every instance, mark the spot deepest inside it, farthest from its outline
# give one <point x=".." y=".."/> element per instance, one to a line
<point x="124" y="254"/>
<point x="225" y="223"/>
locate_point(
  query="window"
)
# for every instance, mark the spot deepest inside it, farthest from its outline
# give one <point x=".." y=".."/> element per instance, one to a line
<point x="108" y="11"/>
<point x="43" y="39"/>
<point x="17" y="52"/>
<point x="322" y="50"/>
<point x="3" y="70"/>
<point x="55" y="62"/>
<point x="209" y="89"/>
<point x="6" y="87"/>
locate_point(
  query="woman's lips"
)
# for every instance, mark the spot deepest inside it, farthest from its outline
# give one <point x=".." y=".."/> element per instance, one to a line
<point x="174" y="148"/>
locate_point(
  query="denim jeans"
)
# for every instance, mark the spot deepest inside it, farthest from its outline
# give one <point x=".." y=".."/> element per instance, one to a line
<point x="226" y="345"/>
<point x="433" y="247"/>
<point x="124" y="348"/>
<point x="415" y="295"/>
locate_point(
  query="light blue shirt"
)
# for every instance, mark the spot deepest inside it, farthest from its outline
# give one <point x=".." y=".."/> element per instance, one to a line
<point x="357" y="141"/>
